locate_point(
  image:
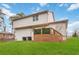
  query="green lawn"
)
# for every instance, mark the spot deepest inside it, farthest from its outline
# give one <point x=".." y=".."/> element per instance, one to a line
<point x="70" y="46"/>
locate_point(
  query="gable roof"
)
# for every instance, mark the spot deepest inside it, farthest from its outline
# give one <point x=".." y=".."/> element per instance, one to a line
<point x="45" y="24"/>
<point x="42" y="12"/>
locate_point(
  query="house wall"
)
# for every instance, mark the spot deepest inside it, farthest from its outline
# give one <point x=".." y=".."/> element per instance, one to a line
<point x="22" y="33"/>
<point x="51" y="17"/>
<point x="19" y="33"/>
<point x="60" y="27"/>
<point x="42" y="18"/>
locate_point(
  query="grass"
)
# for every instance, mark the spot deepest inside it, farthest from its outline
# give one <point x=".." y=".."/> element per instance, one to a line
<point x="68" y="47"/>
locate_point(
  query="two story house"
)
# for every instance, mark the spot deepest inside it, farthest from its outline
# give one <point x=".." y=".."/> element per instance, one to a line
<point x="40" y="26"/>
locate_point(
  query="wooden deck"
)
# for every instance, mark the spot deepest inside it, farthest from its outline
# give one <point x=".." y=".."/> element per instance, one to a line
<point x="53" y="36"/>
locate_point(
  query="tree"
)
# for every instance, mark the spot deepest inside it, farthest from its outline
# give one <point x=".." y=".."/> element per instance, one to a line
<point x="2" y="22"/>
<point x="75" y="34"/>
<point x="18" y="15"/>
<point x="21" y="14"/>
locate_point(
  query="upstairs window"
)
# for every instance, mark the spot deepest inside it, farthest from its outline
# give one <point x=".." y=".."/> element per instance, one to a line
<point x="35" y="18"/>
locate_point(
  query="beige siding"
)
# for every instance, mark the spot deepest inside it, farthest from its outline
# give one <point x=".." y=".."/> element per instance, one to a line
<point x="22" y="33"/>
<point x="51" y="17"/>
<point x="43" y="18"/>
<point x="60" y="27"/>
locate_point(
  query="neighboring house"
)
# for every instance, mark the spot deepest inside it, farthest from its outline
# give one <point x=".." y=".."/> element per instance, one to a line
<point x="40" y="26"/>
<point x="6" y="36"/>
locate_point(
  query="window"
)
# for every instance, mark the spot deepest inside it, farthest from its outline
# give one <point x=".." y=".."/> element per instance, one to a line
<point x="37" y="31"/>
<point x="45" y="30"/>
<point x="42" y="31"/>
<point x="35" y="18"/>
<point x="29" y="38"/>
<point x="24" y="38"/>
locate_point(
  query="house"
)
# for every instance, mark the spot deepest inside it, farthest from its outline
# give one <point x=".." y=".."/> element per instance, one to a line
<point x="40" y="26"/>
<point x="6" y="36"/>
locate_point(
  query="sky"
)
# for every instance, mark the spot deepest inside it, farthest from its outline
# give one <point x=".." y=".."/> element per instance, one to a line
<point x="61" y="11"/>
